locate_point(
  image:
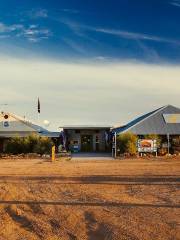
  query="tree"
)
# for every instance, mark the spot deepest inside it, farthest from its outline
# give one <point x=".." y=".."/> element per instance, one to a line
<point x="43" y="146"/>
<point x="127" y="143"/>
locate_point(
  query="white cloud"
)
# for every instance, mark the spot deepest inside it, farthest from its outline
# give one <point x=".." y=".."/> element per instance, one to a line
<point x="32" y="33"/>
<point x="87" y="92"/>
<point x="36" y="34"/>
<point x="33" y="40"/>
<point x="32" y="26"/>
<point x="10" y="28"/>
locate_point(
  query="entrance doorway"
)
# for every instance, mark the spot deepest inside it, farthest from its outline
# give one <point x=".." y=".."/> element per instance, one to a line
<point x="1" y="145"/>
<point x="86" y="143"/>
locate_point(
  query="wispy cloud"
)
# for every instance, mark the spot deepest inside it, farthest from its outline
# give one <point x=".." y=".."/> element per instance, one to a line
<point x="74" y="45"/>
<point x="35" y="34"/>
<point x="74" y="26"/>
<point x="32" y="33"/>
<point x="69" y="10"/>
<point x="10" y="28"/>
<point x="175" y="3"/>
<point x="135" y="36"/>
<point x="80" y="29"/>
<point x="4" y="36"/>
<point x="148" y="52"/>
<point x="101" y="58"/>
<point x="38" y="13"/>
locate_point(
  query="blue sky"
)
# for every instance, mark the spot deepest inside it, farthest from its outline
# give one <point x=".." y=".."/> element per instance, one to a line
<point x="77" y="29"/>
<point x="89" y="62"/>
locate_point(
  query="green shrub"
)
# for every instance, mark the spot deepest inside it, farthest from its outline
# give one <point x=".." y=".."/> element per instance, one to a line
<point x="14" y="145"/>
<point x="131" y="148"/>
<point x="43" y="146"/>
<point x="30" y="144"/>
<point x="127" y="143"/>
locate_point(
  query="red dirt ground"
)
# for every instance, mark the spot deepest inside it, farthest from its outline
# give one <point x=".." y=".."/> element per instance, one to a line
<point x="132" y="199"/>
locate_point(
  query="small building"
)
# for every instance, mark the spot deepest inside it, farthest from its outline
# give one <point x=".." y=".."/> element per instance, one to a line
<point x="86" y="138"/>
<point x="164" y="122"/>
<point x="12" y="125"/>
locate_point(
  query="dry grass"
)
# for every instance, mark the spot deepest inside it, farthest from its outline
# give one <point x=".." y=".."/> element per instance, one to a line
<point x="123" y="199"/>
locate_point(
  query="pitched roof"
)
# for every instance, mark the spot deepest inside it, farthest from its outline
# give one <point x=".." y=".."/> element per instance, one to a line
<point x="91" y="127"/>
<point x="152" y="123"/>
<point x="22" y="127"/>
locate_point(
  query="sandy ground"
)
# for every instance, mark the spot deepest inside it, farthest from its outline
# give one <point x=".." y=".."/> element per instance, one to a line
<point x="135" y="199"/>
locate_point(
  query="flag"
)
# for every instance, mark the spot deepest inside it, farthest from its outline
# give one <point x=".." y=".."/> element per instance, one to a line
<point x="39" y="108"/>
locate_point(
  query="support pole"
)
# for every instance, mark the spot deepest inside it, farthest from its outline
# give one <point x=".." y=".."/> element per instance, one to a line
<point x="115" y="146"/>
<point x="168" y="143"/>
<point x="38" y="121"/>
<point x="38" y="118"/>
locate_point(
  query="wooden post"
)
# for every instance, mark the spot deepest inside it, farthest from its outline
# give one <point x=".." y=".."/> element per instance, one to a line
<point x="53" y="154"/>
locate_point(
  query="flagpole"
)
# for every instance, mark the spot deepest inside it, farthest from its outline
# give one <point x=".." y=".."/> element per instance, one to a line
<point x="38" y="118"/>
<point x="38" y="112"/>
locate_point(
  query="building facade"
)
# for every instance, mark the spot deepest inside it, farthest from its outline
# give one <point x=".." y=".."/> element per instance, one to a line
<point x="87" y="138"/>
<point x="163" y="122"/>
<point x="12" y="125"/>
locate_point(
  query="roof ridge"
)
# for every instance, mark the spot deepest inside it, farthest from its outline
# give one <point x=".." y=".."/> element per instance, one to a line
<point x="26" y="122"/>
<point x="150" y="115"/>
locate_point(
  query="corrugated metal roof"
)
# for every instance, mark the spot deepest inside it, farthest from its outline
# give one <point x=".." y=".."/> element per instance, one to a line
<point x="22" y="127"/>
<point x="50" y="134"/>
<point x="153" y="123"/>
<point x="86" y="127"/>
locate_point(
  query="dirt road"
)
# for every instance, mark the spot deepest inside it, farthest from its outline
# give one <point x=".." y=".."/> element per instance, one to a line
<point x="122" y="199"/>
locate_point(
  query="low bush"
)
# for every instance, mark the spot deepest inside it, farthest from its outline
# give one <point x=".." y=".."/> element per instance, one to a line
<point x="30" y="144"/>
<point x="43" y="146"/>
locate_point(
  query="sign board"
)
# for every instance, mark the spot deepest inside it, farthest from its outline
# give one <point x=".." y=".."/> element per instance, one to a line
<point x="172" y="118"/>
<point x="76" y="148"/>
<point x="147" y="145"/>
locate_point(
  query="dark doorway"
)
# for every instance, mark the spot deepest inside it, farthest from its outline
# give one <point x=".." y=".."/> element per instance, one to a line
<point x="1" y="145"/>
<point x="86" y="143"/>
<point x="97" y="143"/>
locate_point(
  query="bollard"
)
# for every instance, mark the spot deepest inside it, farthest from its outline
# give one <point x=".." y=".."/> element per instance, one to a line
<point x="53" y="154"/>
